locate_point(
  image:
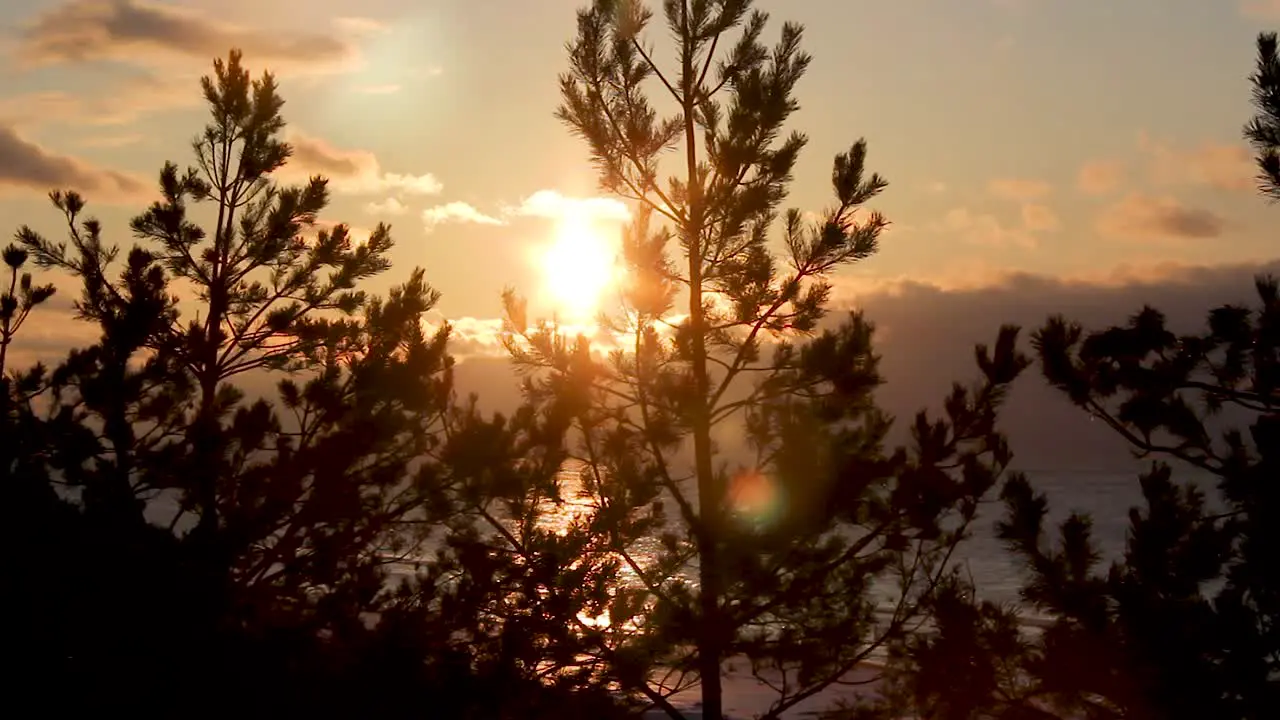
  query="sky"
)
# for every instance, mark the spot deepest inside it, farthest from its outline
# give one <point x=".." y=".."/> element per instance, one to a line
<point x="1091" y="143"/>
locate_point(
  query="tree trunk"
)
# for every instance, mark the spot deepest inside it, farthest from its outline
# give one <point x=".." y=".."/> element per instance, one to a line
<point x="711" y="636"/>
<point x="207" y="428"/>
<point x="710" y="640"/>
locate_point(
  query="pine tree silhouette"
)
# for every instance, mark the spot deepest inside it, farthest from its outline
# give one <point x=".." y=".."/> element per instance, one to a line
<point x="1184" y="625"/>
<point x="173" y="546"/>
<point x="786" y="549"/>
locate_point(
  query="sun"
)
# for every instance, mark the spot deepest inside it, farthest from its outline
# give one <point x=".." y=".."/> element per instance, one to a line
<point x="579" y="267"/>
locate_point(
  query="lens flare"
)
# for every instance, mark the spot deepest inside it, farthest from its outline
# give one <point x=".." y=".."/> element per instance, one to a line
<point x="755" y="497"/>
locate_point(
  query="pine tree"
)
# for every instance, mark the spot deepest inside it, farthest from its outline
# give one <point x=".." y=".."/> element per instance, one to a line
<point x="17" y="302"/>
<point x="1187" y="623"/>
<point x="278" y="599"/>
<point x="265" y="291"/>
<point x="787" y="583"/>
<point x="1263" y="131"/>
<point x="299" y="503"/>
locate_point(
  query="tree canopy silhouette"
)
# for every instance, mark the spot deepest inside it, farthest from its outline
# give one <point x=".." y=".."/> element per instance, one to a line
<point x="783" y="556"/>
<point x="1184" y="625"/>
<point x="170" y="542"/>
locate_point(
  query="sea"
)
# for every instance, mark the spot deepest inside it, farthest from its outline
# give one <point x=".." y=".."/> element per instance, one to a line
<point x="1104" y="495"/>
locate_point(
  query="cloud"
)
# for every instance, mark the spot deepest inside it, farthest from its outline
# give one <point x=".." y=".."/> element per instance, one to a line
<point x="543" y="204"/>
<point x="473" y="337"/>
<point x="355" y="172"/>
<point x="362" y="26"/>
<point x="137" y="30"/>
<point x="1217" y="165"/>
<point x="27" y="166"/>
<point x="120" y="103"/>
<point x="1019" y="189"/>
<point x="1040" y="218"/>
<point x="1036" y="217"/>
<point x="925" y="334"/>
<point x="456" y="212"/>
<point x="983" y="229"/>
<point x="1260" y="9"/>
<point x="388" y="89"/>
<point x="1099" y="177"/>
<point x="111" y="141"/>
<point x="390" y="206"/>
<point x="54" y="329"/>
<point x="554" y="205"/>
<point x="358" y="234"/>
<point x="1146" y="217"/>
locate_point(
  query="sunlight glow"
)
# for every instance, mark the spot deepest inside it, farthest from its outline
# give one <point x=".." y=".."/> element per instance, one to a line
<point x="601" y="622"/>
<point x="579" y="267"/>
<point x="755" y="497"/>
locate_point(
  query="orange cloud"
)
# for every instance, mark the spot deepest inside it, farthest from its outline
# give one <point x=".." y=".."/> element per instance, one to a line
<point x="54" y="329"/>
<point x="1019" y="188"/>
<point x="118" y="104"/>
<point x="111" y="141"/>
<point x="388" y="89"/>
<point x="357" y="234"/>
<point x="1146" y="218"/>
<point x="25" y="165"/>
<point x="355" y="172"/>
<point x="1099" y="177"/>
<point x="139" y="30"/>
<point x="1260" y="9"/>
<point x="1218" y="165"/>
<point x="988" y="230"/>
<point x="1040" y="218"/>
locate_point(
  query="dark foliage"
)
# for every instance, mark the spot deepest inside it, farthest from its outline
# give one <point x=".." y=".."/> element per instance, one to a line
<point x="1187" y="623"/>
<point x="799" y="556"/>
<point x="173" y="548"/>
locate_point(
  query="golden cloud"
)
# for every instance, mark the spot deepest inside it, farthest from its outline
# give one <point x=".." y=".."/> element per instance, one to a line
<point x="1020" y="189"/>
<point x="135" y="31"/>
<point x="1040" y="218"/>
<point x="1218" y="165"/>
<point x="1260" y="9"/>
<point x="26" y="166"/>
<point x="1099" y="177"/>
<point x="1150" y="218"/>
<point x="355" y="172"/>
<point x="119" y="104"/>
<point x="983" y="229"/>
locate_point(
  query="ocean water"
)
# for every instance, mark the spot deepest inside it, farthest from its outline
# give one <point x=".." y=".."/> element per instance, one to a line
<point x="1105" y="496"/>
<point x="996" y="572"/>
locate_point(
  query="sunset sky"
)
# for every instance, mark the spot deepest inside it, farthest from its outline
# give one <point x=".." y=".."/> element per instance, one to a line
<point x="1094" y="140"/>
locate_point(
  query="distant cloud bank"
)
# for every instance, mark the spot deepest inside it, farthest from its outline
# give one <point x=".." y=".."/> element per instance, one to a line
<point x="356" y="172"/>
